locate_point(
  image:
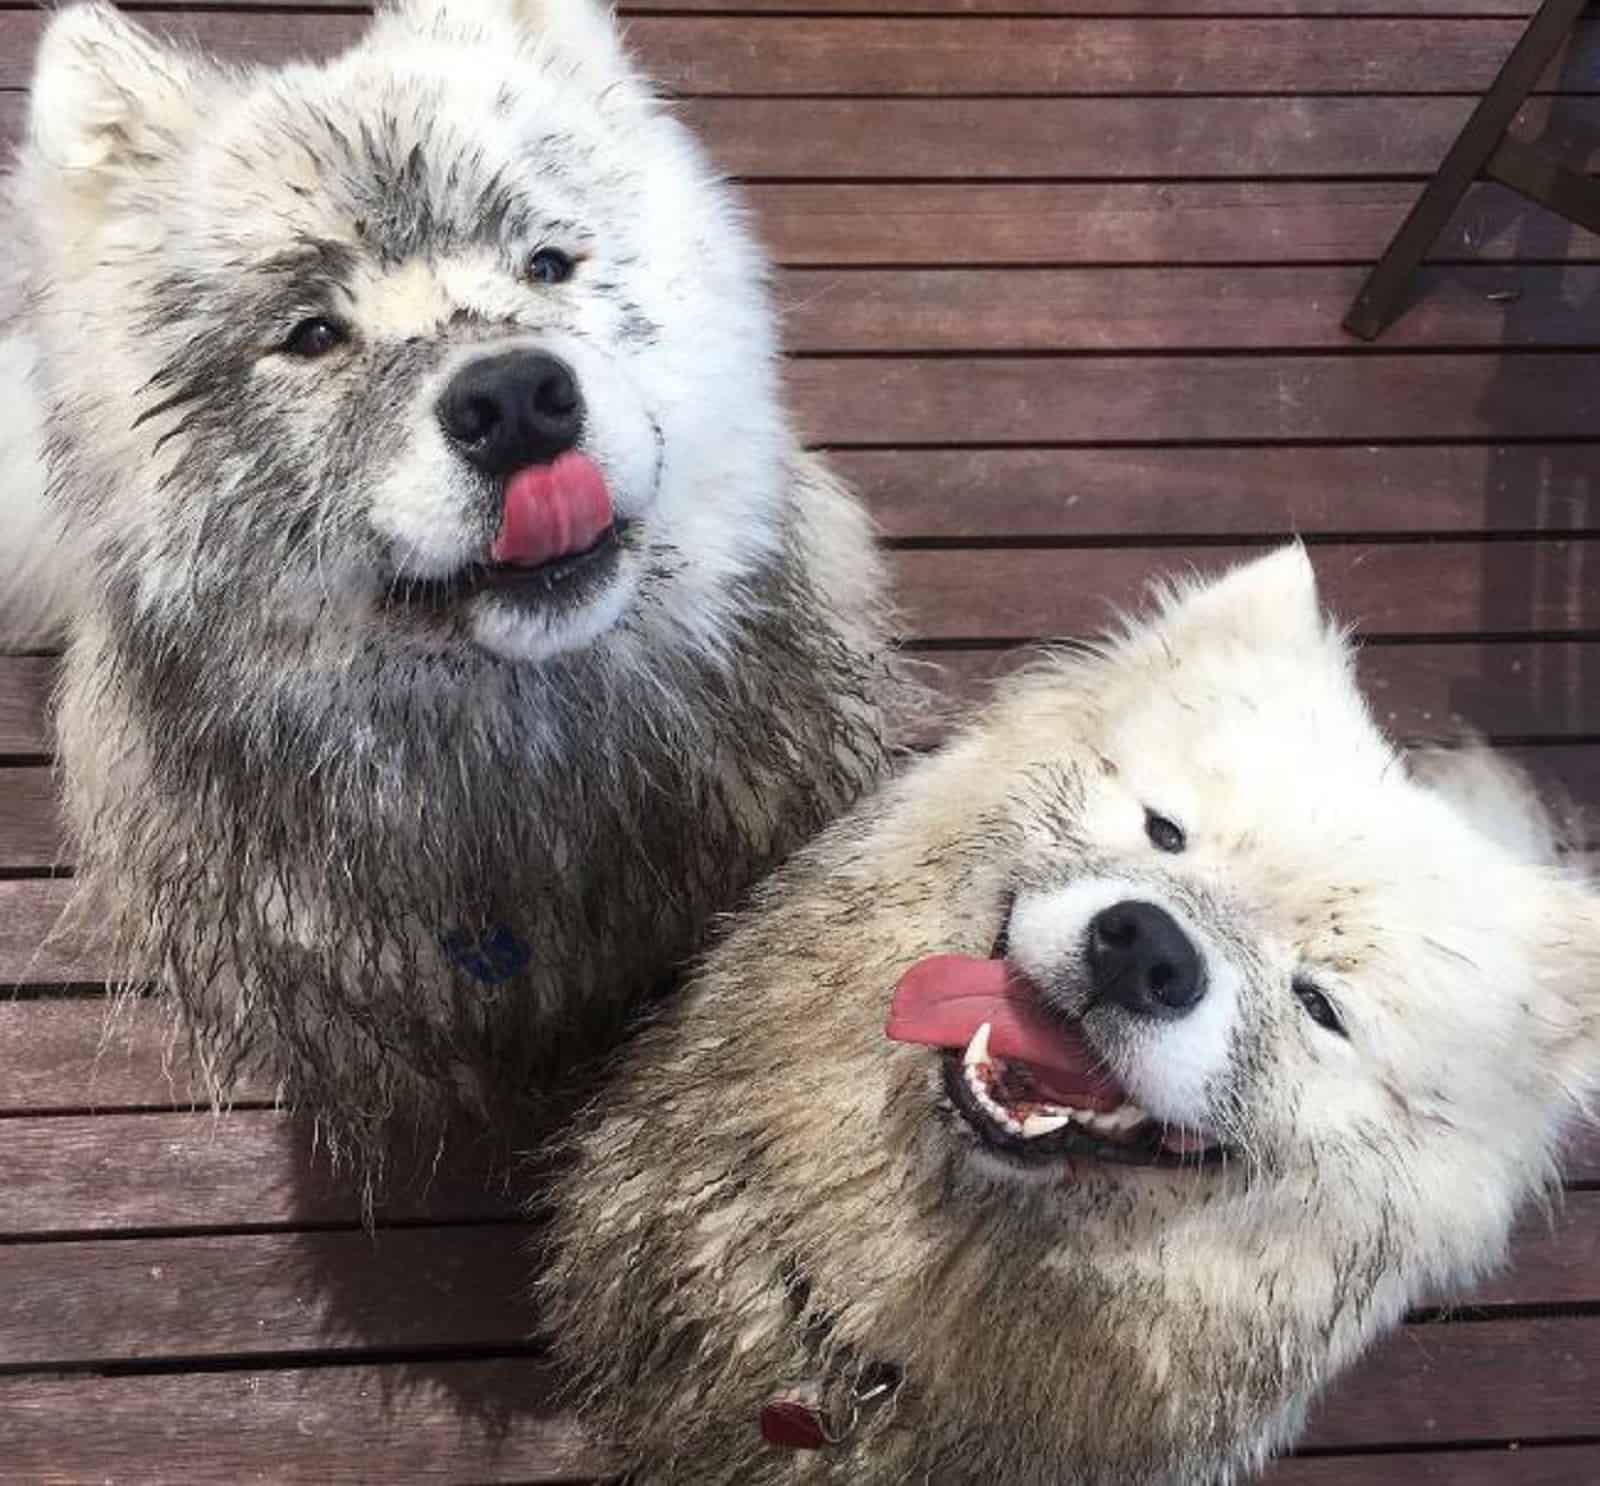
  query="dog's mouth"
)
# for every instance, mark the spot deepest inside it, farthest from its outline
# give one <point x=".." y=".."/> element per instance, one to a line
<point x="559" y="541"/>
<point x="1030" y="1085"/>
<point x="570" y="577"/>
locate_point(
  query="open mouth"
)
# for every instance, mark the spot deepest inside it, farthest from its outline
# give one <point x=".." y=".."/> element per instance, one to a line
<point x="569" y="578"/>
<point x="1028" y="1083"/>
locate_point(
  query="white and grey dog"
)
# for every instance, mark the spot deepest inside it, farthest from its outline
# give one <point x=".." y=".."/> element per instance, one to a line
<point x="454" y="623"/>
<point x="1216" y="1038"/>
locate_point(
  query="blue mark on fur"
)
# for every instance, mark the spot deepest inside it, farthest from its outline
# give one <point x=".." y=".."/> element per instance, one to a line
<point x="494" y="958"/>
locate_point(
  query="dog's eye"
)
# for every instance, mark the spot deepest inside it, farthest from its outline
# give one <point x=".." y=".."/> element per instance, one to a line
<point x="1319" y="1006"/>
<point x="1165" y="835"/>
<point x="551" y="266"/>
<point x="314" y="337"/>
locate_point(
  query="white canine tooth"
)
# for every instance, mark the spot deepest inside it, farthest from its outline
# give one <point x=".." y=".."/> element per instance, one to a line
<point x="1043" y="1124"/>
<point x="1081" y="1116"/>
<point x="978" y="1049"/>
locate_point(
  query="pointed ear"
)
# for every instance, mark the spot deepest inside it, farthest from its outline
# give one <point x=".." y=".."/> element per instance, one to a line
<point x="1270" y="601"/>
<point x="108" y="101"/>
<point x="586" y="28"/>
<point x="1493" y="795"/>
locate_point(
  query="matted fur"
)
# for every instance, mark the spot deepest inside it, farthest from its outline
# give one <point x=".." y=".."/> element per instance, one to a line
<point x="771" y="1199"/>
<point x="409" y="856"/>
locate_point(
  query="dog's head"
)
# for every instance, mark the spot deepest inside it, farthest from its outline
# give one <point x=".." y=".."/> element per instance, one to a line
<point x="1250" y="962"/>
<point x="452" y="343"/>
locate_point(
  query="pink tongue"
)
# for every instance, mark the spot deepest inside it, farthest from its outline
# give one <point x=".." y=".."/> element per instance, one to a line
<point x="942" y="1001"/>
<point x="552" y="510"/>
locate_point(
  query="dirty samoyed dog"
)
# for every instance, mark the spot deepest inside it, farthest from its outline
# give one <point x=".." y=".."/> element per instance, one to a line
<point x="454" y="623"/>
<point x="1214" y="1041"/>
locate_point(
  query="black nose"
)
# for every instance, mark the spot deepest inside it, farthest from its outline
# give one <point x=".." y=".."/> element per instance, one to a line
<point x="1140" y="959"/>
<point x="506" y="412"/>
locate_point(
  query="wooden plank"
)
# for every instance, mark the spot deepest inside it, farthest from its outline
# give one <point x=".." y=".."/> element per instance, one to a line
<point x="25" y="682"/>
<point x="1093" y="138"/>
<point x="1088" y="138"/>
<point x="1489" y="1381"/>
<point x="424" y="1422"/>
<point x="80" y="1174"/>
<point x="1431" y="588"/>
<point x="1365" y="397"/>
<point x="67" y="1053"/>
<point x="753" y="55"/>
<point x="30" y="831"/>
<point x="1510" y="1465"/>
<point x="928" y="55"/>
<point x="1554" y="1262"/>
<point x="261" y="1295"/>
<point x="255" y="1295"/>
<point x="909" y="311"/>
<point x="1120" y="222"/>
<point x="42" y="942"/>
<point x="1168" y="493"/>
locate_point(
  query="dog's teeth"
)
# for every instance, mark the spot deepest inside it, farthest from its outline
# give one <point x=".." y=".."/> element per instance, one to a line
<point x="1042" y="1124"/>
<point x="978" y="1049"/>
<point x="1115" y="1121"/>
<point x="1081" y="1116"/>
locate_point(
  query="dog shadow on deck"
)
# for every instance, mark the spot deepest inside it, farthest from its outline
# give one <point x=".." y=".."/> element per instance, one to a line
<point x="433" y="1293"/>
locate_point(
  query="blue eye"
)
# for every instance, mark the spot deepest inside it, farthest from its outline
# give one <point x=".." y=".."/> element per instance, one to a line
<point x="1165" y="835"/>
<point x="1321" y="1010"/>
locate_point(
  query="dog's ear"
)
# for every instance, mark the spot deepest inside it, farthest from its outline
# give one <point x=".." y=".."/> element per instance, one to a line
<point x="1270" y="602"/>
<point x="109" y="102"/>
<point x="1493" y="795"/>
<point x="583" y="28"/>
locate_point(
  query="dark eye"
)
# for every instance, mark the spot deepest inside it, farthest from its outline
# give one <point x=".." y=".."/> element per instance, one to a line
<point x="1319" y="1006"/>
<point x="551" y="266"/>
<point x="1165" y="835"/>
<point x="315" y="337"/>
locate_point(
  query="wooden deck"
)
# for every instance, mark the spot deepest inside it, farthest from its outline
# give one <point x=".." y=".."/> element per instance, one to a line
<point x="1064" y="281"/>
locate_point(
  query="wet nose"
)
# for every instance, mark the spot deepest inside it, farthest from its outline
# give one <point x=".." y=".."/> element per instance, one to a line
<point x="1140" y="959"/>
<point x="504" y="413"/>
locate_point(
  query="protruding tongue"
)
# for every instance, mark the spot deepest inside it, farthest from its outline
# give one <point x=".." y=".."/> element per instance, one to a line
<point x="552" y="510"/>
<point x="942" y="1001"/>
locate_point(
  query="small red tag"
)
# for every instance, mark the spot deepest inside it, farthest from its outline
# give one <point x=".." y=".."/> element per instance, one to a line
<point x="792" y="1425"/>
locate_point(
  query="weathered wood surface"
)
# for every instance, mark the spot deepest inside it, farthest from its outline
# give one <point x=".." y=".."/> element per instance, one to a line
<point x="444" y="1422"/>
<point x="248" y="1168"/>
<point x="1377" y="398"/>
<point x="775" y="56"/>
<point x="1167" y="309"/>
<point x="1099" y="223"/>
<point x="1120" y="138"/>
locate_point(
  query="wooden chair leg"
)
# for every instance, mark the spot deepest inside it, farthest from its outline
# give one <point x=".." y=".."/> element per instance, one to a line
<point x="1383" y="294"/>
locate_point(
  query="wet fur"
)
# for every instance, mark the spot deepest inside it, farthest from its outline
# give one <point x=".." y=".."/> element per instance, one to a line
<point x="771" y="1198"/>
<point x="409" y="859"/>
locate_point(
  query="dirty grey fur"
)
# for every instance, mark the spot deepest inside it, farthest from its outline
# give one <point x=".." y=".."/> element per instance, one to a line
<point x="411" y="854"/>
<point x="770" y="1200"/>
